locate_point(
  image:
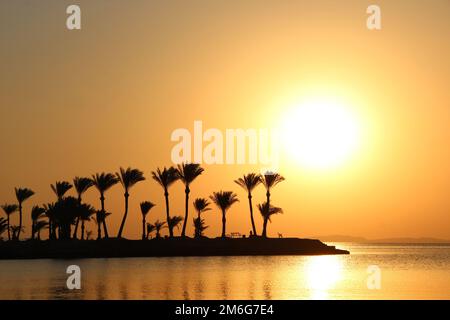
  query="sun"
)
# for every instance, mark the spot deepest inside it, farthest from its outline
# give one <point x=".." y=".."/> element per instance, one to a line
<point x="320" y="133"/>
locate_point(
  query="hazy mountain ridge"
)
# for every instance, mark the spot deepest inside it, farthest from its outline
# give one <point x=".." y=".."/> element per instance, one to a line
<point x="344" y="238"/>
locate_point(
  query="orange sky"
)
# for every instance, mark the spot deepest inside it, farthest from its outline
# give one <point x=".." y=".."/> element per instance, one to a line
<point x="109" y="95"/>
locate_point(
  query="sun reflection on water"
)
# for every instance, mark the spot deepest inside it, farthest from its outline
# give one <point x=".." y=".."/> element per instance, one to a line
<point x="322" y="274"/>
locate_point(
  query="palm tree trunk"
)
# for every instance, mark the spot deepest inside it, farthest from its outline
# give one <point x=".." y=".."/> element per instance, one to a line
<point x="224" y="222"/>
<point x="49" y="229"/>
<point x="122" y="224"/>
<point x="20" y="221"/>
<point x="105" y="229"/>
<point x="33" y="231"/>
<point x="251" y="213"/>
<point x="82" y="229"/>
<point x="186" y="210"/>
<point x="99" y="230"/>
<point x="9" y="231"/>
<point x="143" y="227"/>
<point x="166" y="195"/>
<point x="75" y="236"/>
<point x="264" y="233"/>
<point x="75" y="232"/>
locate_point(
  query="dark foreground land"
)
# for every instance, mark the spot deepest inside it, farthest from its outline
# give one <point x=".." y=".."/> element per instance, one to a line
<point x="115" y="248"/>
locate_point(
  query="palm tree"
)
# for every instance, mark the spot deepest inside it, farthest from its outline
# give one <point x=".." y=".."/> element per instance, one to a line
<point x="128" y="178"/>
<point x="187" y="173"/>
<point x="270" y="180"/>
<point x="201" y="205"/>
<point x="165" y="179"/>
<point x="65" y="213"/>
<point x="85" y="214"/>
<point x="158" y="227"/>
<point x="248" y="182"/>
<point x="22" y="194"/>
<point x="267" y="211"/>
<point x="100" y="217"/>
<point x="3" y="226"/>
<point x="146" y="206"/>
<point x="199" y="226"/>
<point x="37" y="213"/>
<point x="60" y="188"/>
<point x="224" y="200"/>
<point x="50" y="213"/>
<point x="40" y="225"/>
<point x="103" y="182"/>
<point x="174" y="222"/>
<point x="9" y="209"/>
<point x="81" y="186"/>
<point x="150" y="229"/>
<point x="16" y="230"/>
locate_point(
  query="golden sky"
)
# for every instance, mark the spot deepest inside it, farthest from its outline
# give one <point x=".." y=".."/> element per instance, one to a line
<point x="110" y="94"/>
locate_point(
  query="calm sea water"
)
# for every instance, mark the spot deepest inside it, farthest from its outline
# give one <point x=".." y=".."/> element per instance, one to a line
<point x="407" y="272"/>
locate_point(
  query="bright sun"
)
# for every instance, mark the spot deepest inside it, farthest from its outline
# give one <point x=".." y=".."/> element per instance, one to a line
<point x="320" y="133"/>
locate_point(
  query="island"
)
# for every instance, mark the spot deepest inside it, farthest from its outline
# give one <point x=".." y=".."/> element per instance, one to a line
<point x="170" y="247"/>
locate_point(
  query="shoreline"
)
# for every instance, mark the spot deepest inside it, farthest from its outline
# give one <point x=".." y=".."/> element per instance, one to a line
<point x="176" y="247"/>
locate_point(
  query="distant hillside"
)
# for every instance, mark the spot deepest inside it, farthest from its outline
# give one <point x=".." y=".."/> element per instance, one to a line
<point x="343" y="238"/>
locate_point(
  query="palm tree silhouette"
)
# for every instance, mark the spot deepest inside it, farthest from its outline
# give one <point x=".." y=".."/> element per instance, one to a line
<point x="40" y="225"/>
<point x="9" y="209"/>
<point x="50" y="213"/>
<point x="150" y="229"/>
<point x="158" y="227"/>
<point x="201" y="205"/>
<point x="174" y="222"/>
<point x="85" y="216"/>
<point x="81" y="184"/>
<point x="187" y="173"/>
<point x="199" y="226"/>
<point x="16" y="230"/>
<point x="267" y="211"/>
<point x="248" y="182"/>
<point x="60" y="188"/>
<point x="100" y="217"/>
<point x="270" y="180"/>
<point x="146" y="206"/>
<point x="37" y="213"/>
<point x="65" y="213"/>
<point x="128" y="178"/>
<point x="224" y="200"/>
<point x="103" y="182"/>
<point x="22" y="194"/>
<point x="165" y="179"/>
<point x="3" y="226"/>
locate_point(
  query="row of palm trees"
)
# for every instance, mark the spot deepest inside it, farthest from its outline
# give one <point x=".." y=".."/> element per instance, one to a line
<point x="68" y="211"/>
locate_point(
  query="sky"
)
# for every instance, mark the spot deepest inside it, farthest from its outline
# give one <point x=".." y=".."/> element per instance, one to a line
<point x="77" y="102"/>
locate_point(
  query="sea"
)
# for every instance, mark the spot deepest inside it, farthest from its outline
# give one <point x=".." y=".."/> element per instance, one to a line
<point x="370" y="271"/>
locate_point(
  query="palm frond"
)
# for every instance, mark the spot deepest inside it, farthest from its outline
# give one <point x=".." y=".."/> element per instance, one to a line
<point x="249" y="181"/>
<point x="224" y="199"/>
<point x="23" y="194"/>
<point x="166" y="177"/>
<point x="104" y="181"/>
<point x="146" y="206"/>
<point x="187" y="172"/>
<point x="271" y="179"/>
<point x="201" y="205"/>
<point x="82" y="184"/>
<point x="129" y="177"/>
<point x="60" y="188"/>
<point x="10" y="208"/>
